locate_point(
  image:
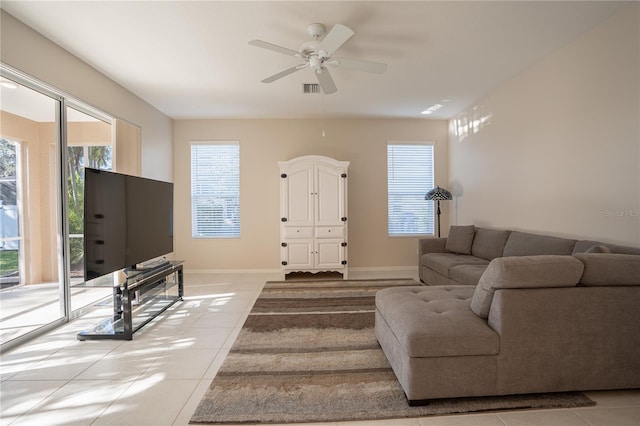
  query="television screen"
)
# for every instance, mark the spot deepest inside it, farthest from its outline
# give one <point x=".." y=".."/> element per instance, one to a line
<point x="127" y="220"/>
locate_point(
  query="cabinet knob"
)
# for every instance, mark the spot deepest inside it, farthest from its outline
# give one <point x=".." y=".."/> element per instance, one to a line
<point x="284" y="219"/>
<point x="344" y="262"/>
<point x="343" y="244"/>
<point x="283" y="176"/>
<point x="284" y="263"/>
<point x="344" y="175"/>
<point x="344" y="219"/>
<point x="283" y="244"/>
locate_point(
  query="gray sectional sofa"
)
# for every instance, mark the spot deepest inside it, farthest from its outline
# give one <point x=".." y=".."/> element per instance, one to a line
<point x="463" y="257"/>
<point x="533" y="323"/>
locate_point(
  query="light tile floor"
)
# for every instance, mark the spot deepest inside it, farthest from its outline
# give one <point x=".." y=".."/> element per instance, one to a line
<point x="160" y="376"/>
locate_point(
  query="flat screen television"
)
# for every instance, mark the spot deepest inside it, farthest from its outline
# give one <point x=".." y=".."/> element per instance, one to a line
<point x="128" y="220"/>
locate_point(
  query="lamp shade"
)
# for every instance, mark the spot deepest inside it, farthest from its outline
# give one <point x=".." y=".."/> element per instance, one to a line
<point x="438" y="194"/>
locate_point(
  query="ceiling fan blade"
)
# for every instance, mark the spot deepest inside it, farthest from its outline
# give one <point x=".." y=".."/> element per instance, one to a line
<point x="325" y="80"/>
<point x="354" y="64"/>
<point x="274" y="47"/>
<point x="284" y="73"/>
<point x="338" y="35"/>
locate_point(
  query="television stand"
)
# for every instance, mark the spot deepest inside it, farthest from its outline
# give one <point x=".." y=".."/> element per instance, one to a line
<point x="146" y="267"/>
<point x="137" y="300"/>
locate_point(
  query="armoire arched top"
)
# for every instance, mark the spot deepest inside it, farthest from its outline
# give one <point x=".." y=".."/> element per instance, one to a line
<point x="314" y="159"/>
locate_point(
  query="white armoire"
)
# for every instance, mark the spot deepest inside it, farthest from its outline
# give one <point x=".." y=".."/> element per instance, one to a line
<point x="313" y="215"/>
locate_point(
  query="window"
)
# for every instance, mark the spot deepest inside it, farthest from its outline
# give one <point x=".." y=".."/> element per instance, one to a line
<point x="409" y="178"/>
<point x="215" y="190"/>
<point x="11" y="239"/>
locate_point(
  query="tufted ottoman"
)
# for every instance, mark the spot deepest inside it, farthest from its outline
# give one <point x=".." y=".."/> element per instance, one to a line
<point x="436" y="345"/>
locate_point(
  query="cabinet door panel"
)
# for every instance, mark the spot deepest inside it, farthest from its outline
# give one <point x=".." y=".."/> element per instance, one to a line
<point x="329" y="187"/>
<point x="300" y="254"/>
<point x="329" y="253"/>
<point x="297" y="203"/>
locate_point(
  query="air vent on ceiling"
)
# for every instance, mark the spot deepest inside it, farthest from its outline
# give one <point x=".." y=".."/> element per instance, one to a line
<point x="310" y="88"/>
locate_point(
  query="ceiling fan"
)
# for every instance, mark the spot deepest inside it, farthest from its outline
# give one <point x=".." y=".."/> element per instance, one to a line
<point x="317" y="53"/>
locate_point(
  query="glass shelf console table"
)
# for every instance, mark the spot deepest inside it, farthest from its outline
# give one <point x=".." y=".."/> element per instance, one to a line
<point x="137" y="299"/>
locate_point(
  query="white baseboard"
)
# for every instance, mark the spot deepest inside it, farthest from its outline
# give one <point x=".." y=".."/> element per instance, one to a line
<point x="408" y="270"/>
<point x="232" y="271"/>
<point x="384" y="268"/>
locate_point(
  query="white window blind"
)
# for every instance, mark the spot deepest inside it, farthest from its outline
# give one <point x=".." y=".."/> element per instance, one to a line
<point x="215" y="189"/>
<point x="409" y="178"/>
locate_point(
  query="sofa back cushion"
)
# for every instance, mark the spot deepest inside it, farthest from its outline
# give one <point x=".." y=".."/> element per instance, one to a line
<point x="602" y="269"/>
<point x="598" y="248"/>
<point x="525" y="244"/>
<point x="524" y="272"/>
<point x="489" y="243"/>
<point x="585" y="245"/>
<point x="460" y="239"/>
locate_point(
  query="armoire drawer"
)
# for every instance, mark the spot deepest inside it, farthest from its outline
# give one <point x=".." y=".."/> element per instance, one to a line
<point x="298" y="232"/>
<point x="330" y="231"/>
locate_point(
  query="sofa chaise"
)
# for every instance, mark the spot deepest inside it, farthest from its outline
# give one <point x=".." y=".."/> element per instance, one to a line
<point x="532" y="324"/>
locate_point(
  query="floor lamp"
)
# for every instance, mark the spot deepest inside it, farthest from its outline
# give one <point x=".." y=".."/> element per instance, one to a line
<point x="438" y="194"/>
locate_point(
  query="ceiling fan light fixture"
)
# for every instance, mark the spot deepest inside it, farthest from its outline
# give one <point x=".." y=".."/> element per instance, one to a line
<point x="315" y="63"/>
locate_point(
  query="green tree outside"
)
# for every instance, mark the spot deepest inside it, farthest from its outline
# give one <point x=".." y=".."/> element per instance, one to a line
<point x="99" y="157"/>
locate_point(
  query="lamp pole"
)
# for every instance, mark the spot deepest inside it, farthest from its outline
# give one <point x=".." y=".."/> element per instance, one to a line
<point x="438" y="218"/>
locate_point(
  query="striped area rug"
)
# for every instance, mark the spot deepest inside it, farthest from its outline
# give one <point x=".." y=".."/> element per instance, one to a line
<point x="308" y="353"/>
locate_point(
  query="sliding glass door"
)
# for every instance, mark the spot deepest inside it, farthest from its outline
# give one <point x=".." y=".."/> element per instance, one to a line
<point x="31" y="276"/>
<point x="46" y="141"/>
<point x="88" y="145"/>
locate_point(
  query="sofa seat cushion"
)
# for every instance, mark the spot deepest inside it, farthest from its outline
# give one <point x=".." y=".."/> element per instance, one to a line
<point x="601" y="269"/>
<point x="524" y="272"/>
<point x="436" y="321"/>
<point x="433" y="278"/>
<point x="443" y="262"/>
<point x="467" y="274"/>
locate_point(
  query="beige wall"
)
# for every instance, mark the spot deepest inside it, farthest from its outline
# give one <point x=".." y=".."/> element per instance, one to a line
<point x="127" y="141"/>
<point x="265" y="142"/>
<point x="556" y="149"/>
<point x="26" y="50"/>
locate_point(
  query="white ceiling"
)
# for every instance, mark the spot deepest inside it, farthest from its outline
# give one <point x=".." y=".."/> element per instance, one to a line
<point x="191" y="59"/>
